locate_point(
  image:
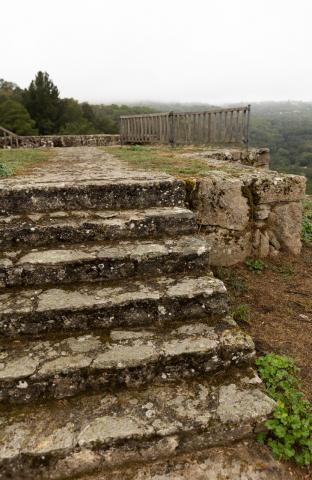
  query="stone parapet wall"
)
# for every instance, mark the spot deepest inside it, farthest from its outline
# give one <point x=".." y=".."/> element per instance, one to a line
<point x="245" y="212"/>
<point x="255" y="157"/>
<point x="63" y="141"/>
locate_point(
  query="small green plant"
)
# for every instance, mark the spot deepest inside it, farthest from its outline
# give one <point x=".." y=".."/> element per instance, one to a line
<point x="255" y="265"/>
<point x="290" y="430"/>
<point x="241" y="313"/>
<point x="135" y="148"/>
<point x="4" y="170"/>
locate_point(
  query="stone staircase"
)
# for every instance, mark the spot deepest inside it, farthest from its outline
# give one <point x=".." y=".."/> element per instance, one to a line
<point x="117" y="348"/>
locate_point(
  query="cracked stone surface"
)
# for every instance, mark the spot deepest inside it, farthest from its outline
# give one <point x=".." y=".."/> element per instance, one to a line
<point x="172" y="413"/>
<point x="58" y="369"/>
<point x="129" y="304"/>
<point x="81" y="263"/>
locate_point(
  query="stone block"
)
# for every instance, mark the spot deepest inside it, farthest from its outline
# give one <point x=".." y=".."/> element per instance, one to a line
<point x="270" y="187"/>
<point x="285" y="222"/>
<point x="219" y="201"/>
<point x="228" y="247"/>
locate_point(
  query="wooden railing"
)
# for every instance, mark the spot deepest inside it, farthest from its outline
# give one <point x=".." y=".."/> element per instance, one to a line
<point x="10" y="138"/>
<point x="218" y="127"/>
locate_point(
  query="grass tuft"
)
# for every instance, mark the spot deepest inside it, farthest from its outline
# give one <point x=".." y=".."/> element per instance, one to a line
<point x="16" y="161"/>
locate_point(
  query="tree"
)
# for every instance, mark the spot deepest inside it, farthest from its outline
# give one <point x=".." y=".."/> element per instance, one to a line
<point x="78" y="127"/>
<point x="43" y="103"/>
<point x="15" y="117"/>
<point x="72" y="120"/>
<point x="10" y="90"/>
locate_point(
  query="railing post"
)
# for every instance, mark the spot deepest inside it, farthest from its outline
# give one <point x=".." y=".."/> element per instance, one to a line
<point x="247" y="127"/>
<point x="171" y="129"/>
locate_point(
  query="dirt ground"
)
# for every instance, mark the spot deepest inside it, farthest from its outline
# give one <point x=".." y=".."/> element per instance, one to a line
<point x="278" y="305"/>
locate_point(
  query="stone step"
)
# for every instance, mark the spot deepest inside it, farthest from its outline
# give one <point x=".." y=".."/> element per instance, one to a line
<point x="76" y="436"/>
<point x="41" y="229"/>
<point x="98" y="262"/>
<point x="127" y="304"/>
<point x="244" y="460"/>
<point x="93" y="194"/>
<point x="58" y="369"/>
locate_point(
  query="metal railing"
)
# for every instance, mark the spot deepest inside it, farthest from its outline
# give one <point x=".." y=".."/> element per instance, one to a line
<point x="219" y="126"/>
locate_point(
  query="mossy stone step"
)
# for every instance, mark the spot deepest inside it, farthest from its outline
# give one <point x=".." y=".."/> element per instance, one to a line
<point x="95" y="194"/>
<point x="57" y="369"/>
<point x="66" y="227"/>
<point x="127" y="304"/>
<point x="103" y="262"/>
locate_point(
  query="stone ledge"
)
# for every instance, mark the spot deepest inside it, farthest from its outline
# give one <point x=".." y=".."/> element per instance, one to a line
<point x="51" y="141"/>
<point x="255" y="157"/>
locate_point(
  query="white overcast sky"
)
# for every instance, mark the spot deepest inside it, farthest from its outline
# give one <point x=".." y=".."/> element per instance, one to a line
<point x="213" y="51"/>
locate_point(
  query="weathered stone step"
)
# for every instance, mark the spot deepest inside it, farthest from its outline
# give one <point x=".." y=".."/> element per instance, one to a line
<point x="128" y="304"/>
<point x="244" y="460"/>
<point x="112" y="194"/>
<point x="58" y="369"/>
<point x="94" y="263"/>
<point x="79" y="435"/>
<point x="41" y="229"/>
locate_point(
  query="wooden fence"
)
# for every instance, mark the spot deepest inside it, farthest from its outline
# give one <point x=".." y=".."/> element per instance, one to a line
<point x="10" y="138"/>
<point x="220" y="126"/>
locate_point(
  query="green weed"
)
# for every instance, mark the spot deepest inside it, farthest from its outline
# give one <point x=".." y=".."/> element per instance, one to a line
<point x="5" y="171"/>
<point x="290" y="430"/>
<point x="255" y="265"/>
<point x="241" y="313"/>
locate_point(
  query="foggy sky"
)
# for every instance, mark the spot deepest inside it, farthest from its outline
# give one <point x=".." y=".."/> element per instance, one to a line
<point x="213" y="51"/>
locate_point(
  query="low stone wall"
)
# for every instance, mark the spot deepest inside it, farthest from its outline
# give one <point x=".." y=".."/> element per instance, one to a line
<point x="64" y="141"/>
<point x="244" y="211"/>
<point x="255" y="157"/>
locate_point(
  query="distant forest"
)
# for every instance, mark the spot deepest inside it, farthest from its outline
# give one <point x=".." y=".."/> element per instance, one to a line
<point x="284" y="127"/>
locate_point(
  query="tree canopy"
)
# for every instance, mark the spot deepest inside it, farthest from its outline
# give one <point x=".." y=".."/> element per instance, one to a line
<point x="15" y="117"/>
<point x="43" y="103"/>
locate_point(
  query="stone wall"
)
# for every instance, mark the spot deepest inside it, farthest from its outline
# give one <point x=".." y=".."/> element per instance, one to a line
<point x="255" y="157"/>
<point x="64" y="141"/>
<point x="244" y="211"/>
